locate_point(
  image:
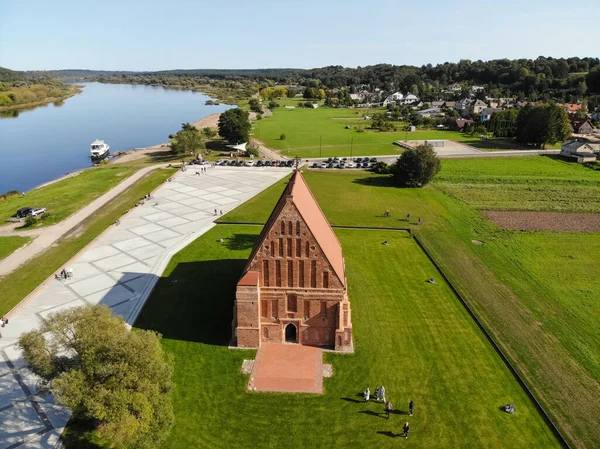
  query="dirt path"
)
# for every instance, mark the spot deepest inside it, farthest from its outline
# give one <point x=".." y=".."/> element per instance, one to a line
<point x="45" y="237"/>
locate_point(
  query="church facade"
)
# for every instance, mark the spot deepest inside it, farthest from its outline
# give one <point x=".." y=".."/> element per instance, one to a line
<point x="293" y="288"/>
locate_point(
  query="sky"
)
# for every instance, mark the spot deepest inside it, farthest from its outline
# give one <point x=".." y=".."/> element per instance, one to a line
<point x="228" y="34"/>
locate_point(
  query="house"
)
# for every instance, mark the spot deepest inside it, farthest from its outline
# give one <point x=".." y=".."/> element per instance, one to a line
<point x="437" y="104"/>
<point x="579" y="150"/>
<point x="476" y="89"/>
<point x="461" y="123"/>
<point x="571" y="108"/>
<point x="294" y="288"/>
<point x="449" y="104"/>
<point x="477" y="107"/>
<point x="486" y="114"/>
<point x="581" y="125"/>
<point x="595" y="116"/>
<point x="463" y="105"/>
<point x="455" y="87"/>
<point x="431" y="112"/>
<point x="399" y="98"/>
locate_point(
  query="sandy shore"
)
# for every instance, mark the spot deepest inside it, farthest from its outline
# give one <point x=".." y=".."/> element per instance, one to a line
<point x="210" y="121"/>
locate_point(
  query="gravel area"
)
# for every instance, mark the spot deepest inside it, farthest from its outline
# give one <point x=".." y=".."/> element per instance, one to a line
<point x="545" y="221"/>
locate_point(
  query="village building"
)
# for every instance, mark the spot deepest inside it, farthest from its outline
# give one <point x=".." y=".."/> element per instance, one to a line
<point x="293" y="288"/>
<point x="581" y="125"/>
<point x="487" y="113"/>
<point x="579" y="150"/>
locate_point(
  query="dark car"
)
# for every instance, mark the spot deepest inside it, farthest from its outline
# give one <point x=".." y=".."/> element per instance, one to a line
<point x="330" y="160"/>
<point x="240" y="163"/>
<point x="365" y="165"/>
<point x="267" y="163"/>
<point x="314" y="165"/>
<point x="24" y="212"/>
<point x="373" y="159"/>
<point x="289" y="163"/>
<point x="259" y="163"/>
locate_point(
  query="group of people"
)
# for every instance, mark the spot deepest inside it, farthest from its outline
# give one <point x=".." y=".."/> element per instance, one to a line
<point x="388" y="214"/>
<point x="202" y="169"/>
<point x="220" y="212"/>
<point x="66" y="273"/>
<point x="380" y="395"/>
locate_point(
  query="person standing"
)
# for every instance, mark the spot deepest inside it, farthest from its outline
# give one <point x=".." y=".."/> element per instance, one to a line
<point x="411" y="407"/>
<point x="420" y="221"/>
<point x="382" y="393"/>
<point x="406" y="429"/>
<point x="215" y="211"/>
<point x="388" y="409"/>
<point x="367" y="395"/>
<point x="407" y="217"/>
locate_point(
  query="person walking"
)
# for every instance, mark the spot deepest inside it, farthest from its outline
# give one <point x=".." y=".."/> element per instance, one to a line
<point x="420" y="221"/>
<point x="215" y="211"/>
<point x="388" y="409"/>
<point x="376" y="394"/>
<point x="382" y="393"/>
<point x="411" y="407"/>
<point x="367" y="395"/>
<point x="406" y="429"/>
<point x="408" y="217"/>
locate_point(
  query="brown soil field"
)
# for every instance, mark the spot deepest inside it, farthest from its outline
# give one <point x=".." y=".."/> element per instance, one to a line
<point x="544" y="221"/>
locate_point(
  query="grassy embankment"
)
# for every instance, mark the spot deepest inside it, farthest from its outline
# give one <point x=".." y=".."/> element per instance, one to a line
<point x="18" y="284"/>
<point x="10" y="244"/>
<point x="409" y="335"/>
<point x="64" y="197"/>
<point x="534" y="291"/>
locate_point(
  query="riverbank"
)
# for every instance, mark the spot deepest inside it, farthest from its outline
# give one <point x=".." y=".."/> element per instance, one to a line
<point x="210" y="121"/>
<point x="71" y="91"/>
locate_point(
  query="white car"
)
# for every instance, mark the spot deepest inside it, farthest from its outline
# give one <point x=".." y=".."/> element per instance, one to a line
<point x="249" y="163"/>
<point x="222" y="161"/>
<point x="324" y="165"/>
<point x="350" y="165"/>
<point x="38" y="211"/>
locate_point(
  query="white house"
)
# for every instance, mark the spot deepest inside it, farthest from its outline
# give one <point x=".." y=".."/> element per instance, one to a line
<point x="431" y="112"/>
<point x="400" y="98"/>
<point x="581" y="151"/>
<point x="486" y="114"/>
<point x="455" y="87"/>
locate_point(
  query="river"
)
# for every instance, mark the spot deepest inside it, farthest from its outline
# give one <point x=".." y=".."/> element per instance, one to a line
<point x="47" y="142"/>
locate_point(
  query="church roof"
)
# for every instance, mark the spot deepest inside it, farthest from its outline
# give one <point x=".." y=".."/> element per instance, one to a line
<point x="300" y="195"/>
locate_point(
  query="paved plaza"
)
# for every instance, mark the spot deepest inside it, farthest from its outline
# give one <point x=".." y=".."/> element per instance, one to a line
<point x="119" y="269"/>
<point x="289" y="368"/>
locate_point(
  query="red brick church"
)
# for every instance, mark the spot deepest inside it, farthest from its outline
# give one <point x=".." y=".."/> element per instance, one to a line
<point x="293" y="289"/>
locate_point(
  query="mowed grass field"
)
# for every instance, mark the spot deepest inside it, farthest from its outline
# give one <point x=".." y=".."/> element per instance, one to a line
<point x="305" y="129"/>
<point x="65" y="197"/>
<point x="411" y="336"/>
<point x="9" y="244"/>
<point x="533" y="183"/>
<point x="535" y="292"/>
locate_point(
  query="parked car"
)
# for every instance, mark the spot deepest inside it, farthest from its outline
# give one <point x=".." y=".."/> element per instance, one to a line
<point x="38" y="211"/>
<point x="350" y="165"/>
<point x="267" y="163"/>
<point x="365" y="165"/>
<point x="330" y="160"/>
<point x="260" y="163"/>
<point x="336" y="159"/>
<point x="24" y="212"/>
<point x="240" y="163"/>
<point x="324" y="165"/>
<point x="373" y="159"/>
<point x="249" y="163"/>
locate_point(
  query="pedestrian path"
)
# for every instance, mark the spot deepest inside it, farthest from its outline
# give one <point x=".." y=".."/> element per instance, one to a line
<point x="119" y="270"/>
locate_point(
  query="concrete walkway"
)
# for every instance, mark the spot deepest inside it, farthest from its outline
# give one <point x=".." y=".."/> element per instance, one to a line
<point x="119" y="270"/>
<point x="45" y="237"/>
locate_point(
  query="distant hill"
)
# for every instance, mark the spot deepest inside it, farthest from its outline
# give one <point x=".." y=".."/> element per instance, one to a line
<point x="10" y="76"/>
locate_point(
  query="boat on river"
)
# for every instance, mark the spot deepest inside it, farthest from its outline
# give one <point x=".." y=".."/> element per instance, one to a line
<point x="99" y="149"/>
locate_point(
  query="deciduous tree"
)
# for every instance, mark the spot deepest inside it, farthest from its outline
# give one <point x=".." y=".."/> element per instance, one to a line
<point x="416" y="167"/>
<point x="187" y="140"/>
<point x="234" y="126"/>
<point x="93" y="364"/>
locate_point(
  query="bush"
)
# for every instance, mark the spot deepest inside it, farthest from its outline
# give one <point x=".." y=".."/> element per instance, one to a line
<point x="29" y="221"/>
<point x="282" y="137"/>
<point x="416" y="167"/>
<point x="381" y="168"/>
<point x="258" y="116"/>
<point x="273" y="105"/>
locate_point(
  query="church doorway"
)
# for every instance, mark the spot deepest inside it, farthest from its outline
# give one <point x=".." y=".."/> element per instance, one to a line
<point x="290" y="334"/>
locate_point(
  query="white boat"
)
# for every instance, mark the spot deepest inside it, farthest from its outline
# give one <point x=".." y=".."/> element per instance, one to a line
<point x="99" y="149"/>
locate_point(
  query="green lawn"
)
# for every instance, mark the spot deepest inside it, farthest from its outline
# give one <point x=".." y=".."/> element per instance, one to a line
<point x="536" y="293"/>
<point x="412" y="336"/>
<point x="18" y="284"/>
<point x="304" y="129"/>
<point x="64" y="197"/>
<point x="9" y="244"/>
<point x="533" y="183"/>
